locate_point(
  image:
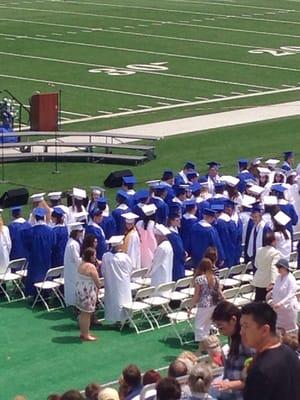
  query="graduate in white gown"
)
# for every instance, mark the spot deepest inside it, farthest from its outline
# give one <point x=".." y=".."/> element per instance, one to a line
<point x="5" y="245"/>
<point x="116" y="269"/>
<point x="72" y="261"/>
<point x="162" y="265"/>
<point x="132" y="243"/>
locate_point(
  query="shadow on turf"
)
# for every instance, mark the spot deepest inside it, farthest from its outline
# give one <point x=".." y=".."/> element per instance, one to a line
<point x="65" y="327"/>
<point x="66" y="340"/>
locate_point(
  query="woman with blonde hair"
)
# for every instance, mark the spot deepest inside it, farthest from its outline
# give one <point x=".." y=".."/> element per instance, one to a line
<point x="5" y="245"/>
<point x="199" y="382"/>
<point x="207" y="295"/>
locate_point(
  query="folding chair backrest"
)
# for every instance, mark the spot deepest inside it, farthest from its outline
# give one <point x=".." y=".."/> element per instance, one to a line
<point x="297" y="274"/>
<point x="223" y="272"/>
<point x="244" y="289"/>
<point x="54" y="272"/>
<point x="165" y="287"/>
<point x="101" y="282"/>
<point x="293" y="256"/>
<point x="186" y="304"/>
<point x="230" y="293"/>
<point x="147" y="391"/>
<point x="249" y="267"/>
<point x="18" y="264"/>
<point x="146" y="292"/>
<point x="237" y="269"/>
<point x="184" y="282"/>
<point x="139" y="273"/>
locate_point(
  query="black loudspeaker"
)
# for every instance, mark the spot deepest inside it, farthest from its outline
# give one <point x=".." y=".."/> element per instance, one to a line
<point x="115" y="178"/>
<point x="14" y="197"/>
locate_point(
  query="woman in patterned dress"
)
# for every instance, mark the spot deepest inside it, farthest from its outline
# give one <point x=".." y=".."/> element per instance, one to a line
<point x="87" y="286"/>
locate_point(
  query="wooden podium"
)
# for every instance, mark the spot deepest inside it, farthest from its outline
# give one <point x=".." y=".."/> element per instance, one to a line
<point x="44" y="112"/>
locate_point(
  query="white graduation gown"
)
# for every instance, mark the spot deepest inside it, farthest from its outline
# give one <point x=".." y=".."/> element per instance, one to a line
<point x="5" y="247"/>
<point x="162" y="265"/>
<point x="72" y="260"/>
<point x="134" y="249"/>
<point x="116" y="269"/>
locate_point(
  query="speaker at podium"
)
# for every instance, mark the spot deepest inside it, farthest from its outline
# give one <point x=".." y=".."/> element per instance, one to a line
<point x="44" y="112"/>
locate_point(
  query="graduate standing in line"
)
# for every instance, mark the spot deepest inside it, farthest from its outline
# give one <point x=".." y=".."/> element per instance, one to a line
<point x="122" y="208"/>
<point x="131" y="244"/>
<point x="17" y="225"/>
<point x="61" y="236"/>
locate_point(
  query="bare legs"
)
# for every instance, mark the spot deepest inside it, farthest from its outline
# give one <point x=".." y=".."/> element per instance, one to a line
<point x="84" y="325"/>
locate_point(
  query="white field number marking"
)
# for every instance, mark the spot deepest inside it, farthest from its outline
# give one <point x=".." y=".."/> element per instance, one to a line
<point x="282" y="51"/>
<point x="131" y="69"/>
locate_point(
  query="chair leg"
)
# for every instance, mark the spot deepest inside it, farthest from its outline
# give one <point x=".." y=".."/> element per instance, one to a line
<point x="5" y="292"/>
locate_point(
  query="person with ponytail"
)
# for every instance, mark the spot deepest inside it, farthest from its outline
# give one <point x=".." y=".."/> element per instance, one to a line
<point x="199" y="382"/>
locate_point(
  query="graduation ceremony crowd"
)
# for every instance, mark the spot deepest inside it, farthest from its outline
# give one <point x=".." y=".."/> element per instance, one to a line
<point x="184" y="220"/>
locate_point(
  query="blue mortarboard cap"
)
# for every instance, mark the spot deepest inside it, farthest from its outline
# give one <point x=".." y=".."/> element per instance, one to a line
<point x="192" y="174"/>
<point x="58" y="211"/>
<point x="179" y="190"/>
<point x="242" y="162"/>
<point x="160" y="186"/>
<point x="123" y="194"/>
<point x="278" y="188"/>
<point x="102" y="200"/>
<point x="129" y="179"/>
<point x="96" y="211"/>
<point x="213" y="164"/>
<point x="16" y="209"/>
<point x="203" y="180"/>
<point x="208" y="211"/>
<point x="194" y="187"/>
<point x="288" y="154"/>
<point x="39" y="212"/>
<point x="189" y="165"/>
<point x="189" y="203"/>
<point x="168" y="174"/>
<point x="141" y="194"/>
<point x="257" y="208"/>
<point x="217" y="207"/>
<point x="220" y="185"/>
<point x="229" y="203"/>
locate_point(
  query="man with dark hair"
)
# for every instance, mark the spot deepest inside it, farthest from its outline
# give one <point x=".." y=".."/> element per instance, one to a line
<point x="275" y="370"/>
<point x="132" y="379"/>
<point x="168" y="389"/>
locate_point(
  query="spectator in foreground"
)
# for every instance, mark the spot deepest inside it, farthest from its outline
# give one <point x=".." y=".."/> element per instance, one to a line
<point x="178" y="369"/>
<point x="108" y="394"/>
<point x="72" y="395"/>
<point x="168" y="389"/>
<point x="275" y="369"/>
<point x="199" y="382"/>
<point x="92" y="390"/>
<point x="130" y="382"/>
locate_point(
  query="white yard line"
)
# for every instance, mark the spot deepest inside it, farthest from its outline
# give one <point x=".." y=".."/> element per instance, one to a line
<point x="90" y="88"/>
<point x="192" y="103"/>
<point x="178" y="11"/>
<point x="183" y="56"/>
<point x="146" y="72"/>
<point x="151" y="20"/>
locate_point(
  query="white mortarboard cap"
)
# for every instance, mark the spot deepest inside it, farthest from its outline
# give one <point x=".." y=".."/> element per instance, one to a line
<point x="76" y="226"/>
<point x="263" y="171"/>
<point x="149" y="209"/>
<point x="230" y="180"/>
<point x="97" y="189"/>
<point x="37" y="197"/>
<point x="282" y="218"/>
<point x="272" y="162"/>
<point x="153" y="182"/>
<point x="115" y="240"/>
<point x="248" y="200"/>
<point x="255" y="189"/>
<point x="54" y="195"/>
<point x="80" y="216"/>
<point x="79" y="194"/>
<point x="256" y="161"/>
<point x="130" y="217"/>
<point x="270" y="200"/>
<point x="161" y="230"/>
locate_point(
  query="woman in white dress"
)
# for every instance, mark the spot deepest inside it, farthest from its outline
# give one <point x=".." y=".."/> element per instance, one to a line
<point x="5" y="245"/>
<point x="87" y="286"/>
<point x="72" y="260"/>
<point x="283" y="297"/>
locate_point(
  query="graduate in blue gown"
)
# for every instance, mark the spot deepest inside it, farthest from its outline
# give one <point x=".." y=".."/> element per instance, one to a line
<point x="61" y="236"/>
<point x="181" y="178"/>
<point x="128" y="187"/>
<point x="94" y="228"/>
<point x="140" y="199"/>
<point x="244" y="175"/>
<point x="16" y="227"/>
<point x="179" y="257"/>
<point x="168" y="180"/>
<point x="187" y="221"/>
<point x="122" y="208"/>
<point x="162" y="209"/>
<point x="40" y="243"/>
<point x="286" y="207"/>
<point x="204" y="235"/>
<point x="288" y="160"/>
<point x="108" y="223"/>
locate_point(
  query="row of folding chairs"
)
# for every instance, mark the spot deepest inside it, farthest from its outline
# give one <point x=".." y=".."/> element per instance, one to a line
<point x="11" y="284"/>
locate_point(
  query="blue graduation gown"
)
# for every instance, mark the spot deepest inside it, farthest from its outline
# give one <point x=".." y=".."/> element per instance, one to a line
<point x="228" y="236"/>
<point x="243" y="177"/>
<point x="162" y="211"/>
<point x="289" y="210"/>
<point x="94" y="229"/>
<point x="187" y="223"/>
<point x="200" y="207"/>
<point x="137" y="209"/>
<point x="250" y="225"/>
<point x="204" y="235"/>
<point x="179" y="180"/>
<point x="61" y="237"/>
<point x="119" y="220"/>
<point x="108" y="225"/>
<point x="40" y="243"/>
<point x="179" y="255"/>
<point x="239" y="240"/>
<point x="18" y="250"/>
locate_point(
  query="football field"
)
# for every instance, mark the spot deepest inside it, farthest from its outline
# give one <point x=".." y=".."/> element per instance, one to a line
<point x="158" y="59"/>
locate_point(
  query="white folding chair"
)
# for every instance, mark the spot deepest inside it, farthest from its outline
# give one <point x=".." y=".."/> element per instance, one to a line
<point x="297" y="277"/>
<point x="230" y="294"/>
<point x="19" y="267"/>
<point x="234" y="275"/>
<point x="51" y="286"/>
<point x="293" y="261"/>
<point x="246" y="275"/>
<point x="140" y="277"/>
<point x="178" y="295"/>
<point x="182" y="317"/>
<point x="148" y="391"/>
<point x="245" y="295"/>
<point x="10" y="278"/>
<point x="159" y="305"/>
<point x="101" y="293"/>
<point x="139" y="308"/>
